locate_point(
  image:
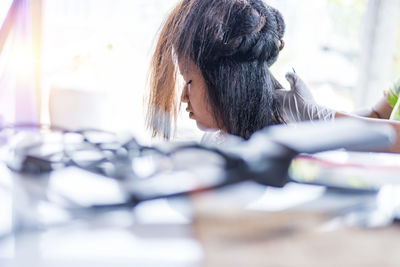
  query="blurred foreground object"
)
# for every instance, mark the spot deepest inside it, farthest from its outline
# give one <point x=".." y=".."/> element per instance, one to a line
<point x="60" y="177"/>
<point x="345" y="169"/>
<point x="145" y="173"/>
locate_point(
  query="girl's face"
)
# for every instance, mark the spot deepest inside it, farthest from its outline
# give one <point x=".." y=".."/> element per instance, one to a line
<point x="195" y="95"/>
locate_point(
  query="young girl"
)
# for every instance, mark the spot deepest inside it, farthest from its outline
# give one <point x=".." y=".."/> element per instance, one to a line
<point x="223" y="49"/>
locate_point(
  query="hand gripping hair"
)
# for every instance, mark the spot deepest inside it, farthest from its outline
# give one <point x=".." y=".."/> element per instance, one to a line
<point x="298" y="104"/>
<point x="233" y="43"/>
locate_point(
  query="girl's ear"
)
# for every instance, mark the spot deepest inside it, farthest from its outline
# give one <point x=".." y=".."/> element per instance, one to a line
<point x="282" y="45"/>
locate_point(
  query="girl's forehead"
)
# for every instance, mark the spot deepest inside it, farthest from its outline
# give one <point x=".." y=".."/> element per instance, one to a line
<point x="188" y="67"/>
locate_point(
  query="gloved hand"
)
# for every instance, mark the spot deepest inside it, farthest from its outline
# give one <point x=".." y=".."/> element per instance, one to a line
<point x="298" y="104"/>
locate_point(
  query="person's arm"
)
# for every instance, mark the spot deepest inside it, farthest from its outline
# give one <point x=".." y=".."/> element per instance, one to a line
<point x="384" y="107"/>
<point x="381" y="110"/>
<point x="299" y="105"/>
<point x="395" y="124"/>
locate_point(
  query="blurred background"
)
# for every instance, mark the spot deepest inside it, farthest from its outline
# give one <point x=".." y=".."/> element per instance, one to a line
<point x="84" y="62"/>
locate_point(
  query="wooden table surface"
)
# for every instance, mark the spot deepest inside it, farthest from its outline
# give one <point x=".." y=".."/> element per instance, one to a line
<point x="232" y="236"/>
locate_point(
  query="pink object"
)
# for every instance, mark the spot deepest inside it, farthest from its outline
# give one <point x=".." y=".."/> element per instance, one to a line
<point x="18" y="100"/>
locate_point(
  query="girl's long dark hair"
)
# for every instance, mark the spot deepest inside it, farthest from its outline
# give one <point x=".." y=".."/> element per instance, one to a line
<point x="233" y="43"/>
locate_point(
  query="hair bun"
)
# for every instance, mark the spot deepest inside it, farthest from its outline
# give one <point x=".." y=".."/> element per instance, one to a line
<point x="279" y="22"/>
<point x="251" y="32"/>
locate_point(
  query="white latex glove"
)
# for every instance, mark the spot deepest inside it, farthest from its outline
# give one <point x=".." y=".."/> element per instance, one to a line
<point x="298" y="104"/>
